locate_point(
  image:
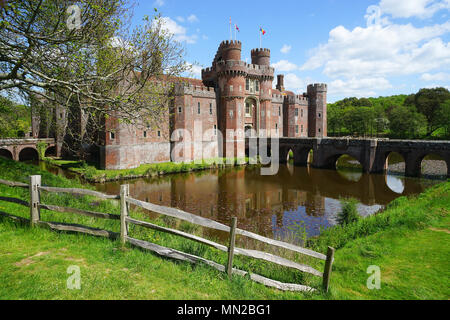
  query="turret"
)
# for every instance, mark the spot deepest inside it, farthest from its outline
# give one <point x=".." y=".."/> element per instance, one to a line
<point x="280" y="82"/>
<point x="229" y="50"/>
<point x="261" y="57"/>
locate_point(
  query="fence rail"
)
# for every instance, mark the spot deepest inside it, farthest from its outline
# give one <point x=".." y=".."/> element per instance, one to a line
<point x="35" y="206"/>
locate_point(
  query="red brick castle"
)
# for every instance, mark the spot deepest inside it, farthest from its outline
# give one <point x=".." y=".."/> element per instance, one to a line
<point x="210" y="118"/>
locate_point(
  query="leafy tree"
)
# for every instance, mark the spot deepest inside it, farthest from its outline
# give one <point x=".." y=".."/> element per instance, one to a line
<point x="429" y="103"/>
<point x="15" y="119"/>
<point x="405" y="123"/>
<point x="84" y="56"/>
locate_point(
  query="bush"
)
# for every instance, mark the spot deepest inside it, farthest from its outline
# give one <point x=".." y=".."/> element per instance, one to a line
<point x="349" y="213"/>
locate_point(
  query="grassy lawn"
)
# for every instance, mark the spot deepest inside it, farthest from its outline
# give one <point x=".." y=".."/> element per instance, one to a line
<point x="408" y="241"/>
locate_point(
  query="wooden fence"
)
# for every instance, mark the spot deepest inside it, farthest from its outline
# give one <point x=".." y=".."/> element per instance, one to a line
<point x="35" y="205"/>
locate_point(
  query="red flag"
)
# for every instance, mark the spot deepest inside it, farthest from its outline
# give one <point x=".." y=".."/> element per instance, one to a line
<point x="237" y="28"/>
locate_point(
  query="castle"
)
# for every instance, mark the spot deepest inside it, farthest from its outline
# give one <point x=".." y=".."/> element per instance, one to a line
<point x="212" y="114"/>
<point x="208" y="118"/>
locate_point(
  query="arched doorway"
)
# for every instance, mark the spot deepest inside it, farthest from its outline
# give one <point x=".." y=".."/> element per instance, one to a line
<point x="28" y="154"/>
<point x="4" y="153"/>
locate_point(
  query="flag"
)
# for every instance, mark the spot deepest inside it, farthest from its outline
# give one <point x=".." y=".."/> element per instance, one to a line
<point x="262" y="31"/>
<point x="237" y="28"/>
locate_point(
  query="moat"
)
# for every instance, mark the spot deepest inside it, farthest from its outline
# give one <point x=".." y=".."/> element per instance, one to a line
<point x="297" y="198"/>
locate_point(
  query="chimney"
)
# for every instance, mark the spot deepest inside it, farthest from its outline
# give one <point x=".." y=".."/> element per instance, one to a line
<point x="280" y="84"/>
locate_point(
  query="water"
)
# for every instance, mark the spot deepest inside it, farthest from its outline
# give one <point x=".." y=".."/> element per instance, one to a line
<point x="273" y="206"/>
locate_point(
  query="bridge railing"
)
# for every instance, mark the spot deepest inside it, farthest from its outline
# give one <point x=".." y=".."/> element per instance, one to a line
<point x="35" y="206"/>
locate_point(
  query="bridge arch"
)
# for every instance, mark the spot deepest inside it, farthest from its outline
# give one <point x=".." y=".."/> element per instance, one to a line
<point x="5" y="153"/>
<point x="51" y="151"/>
<point x="331" y="161"/>
<point x="414" y="163"/>
<point x="28" y="153"/>
<point x="395" y="158"/>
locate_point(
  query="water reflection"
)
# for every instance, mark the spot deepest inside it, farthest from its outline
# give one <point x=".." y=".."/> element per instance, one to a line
<point x="274" y="206"/>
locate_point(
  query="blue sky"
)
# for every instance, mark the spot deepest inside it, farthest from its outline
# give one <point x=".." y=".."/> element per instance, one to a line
<point x="359" y="48"/>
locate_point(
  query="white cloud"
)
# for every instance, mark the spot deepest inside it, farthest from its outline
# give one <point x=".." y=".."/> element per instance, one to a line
<point x="441" y="76"/>
<point x="285" y="65"/>
<point x="294" y="83"/>
<point x="358" y="87"/>
<point x="382" y="51"/>
<point x="159" y="3"/>
<point x="413" y="8"/>
<point x="179" y="32"/>
<point x="195" y="70"/>
<point x="286" y="49"/>
<point x="180" y="19"/>
<point x="192" y="18"/>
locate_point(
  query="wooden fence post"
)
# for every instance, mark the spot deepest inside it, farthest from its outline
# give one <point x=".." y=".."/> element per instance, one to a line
<point x="35" y="199"/>
<point x="328" y="267"/>
<point x="124" y="192"/>
<point x="231" y="247"/>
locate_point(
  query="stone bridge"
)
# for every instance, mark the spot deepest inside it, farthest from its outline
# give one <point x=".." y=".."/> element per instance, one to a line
<point x="25" y="149"/>
<point x="372" y="154"/>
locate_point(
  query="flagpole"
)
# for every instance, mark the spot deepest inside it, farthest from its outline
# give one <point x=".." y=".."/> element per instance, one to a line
<point x="235" y="35"/>
<point x="260" y="38"/>
<point x="231" y="32"/>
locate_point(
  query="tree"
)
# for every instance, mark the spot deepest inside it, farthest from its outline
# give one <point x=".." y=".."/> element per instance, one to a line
<point x="15" y="119"/>
<point x="429" y="103"/>
<point x="405" y="123"/>
<point x="83" y="56"/>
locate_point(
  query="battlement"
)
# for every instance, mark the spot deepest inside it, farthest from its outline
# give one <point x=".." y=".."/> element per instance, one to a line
<point x="297" y="99"/>
<point x="261" y="57"/>
<point x="262" y="52"/>
<point x="318" y="87"/>
<point x="236" y="44"/>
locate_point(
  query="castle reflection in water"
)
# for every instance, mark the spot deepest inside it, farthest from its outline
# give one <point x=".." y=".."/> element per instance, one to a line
<point x="273" y="206"/>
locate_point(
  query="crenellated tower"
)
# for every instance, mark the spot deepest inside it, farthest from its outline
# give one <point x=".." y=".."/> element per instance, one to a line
<point x="317" y="110"/>
<point x="265" y="76"/>
<point x="231" y="73"/>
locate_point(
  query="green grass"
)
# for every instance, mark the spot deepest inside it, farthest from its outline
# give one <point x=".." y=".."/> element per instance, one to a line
<point x="403" y="241"/>
<point x="92" y="174"/>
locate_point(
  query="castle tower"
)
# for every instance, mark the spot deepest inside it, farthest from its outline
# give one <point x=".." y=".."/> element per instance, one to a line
<point x="317" y="110"/>
<point x="231" y="74"/>
<point x="268" y="122"/>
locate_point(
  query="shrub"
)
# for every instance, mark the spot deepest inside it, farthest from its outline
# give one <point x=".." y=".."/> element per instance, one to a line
<point x="349" y="213"/>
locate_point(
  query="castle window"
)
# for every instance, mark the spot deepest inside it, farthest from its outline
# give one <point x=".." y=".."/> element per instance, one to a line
<point x="247" y="109"/>
<point x="198" y="108"/>
<point x="112" y="135"/>
<point x="179" y="110"/>
<point x="210" y="108"/>
<point x="61" y="115"/>
<point x="215" y="130"/>
<point x="296" y="129"/>
<point x="231" y="88"/>
<point x="302" y="113"/>
<point x="247" y="84"/>
<point x="257" y="85"/>
<point x="240" y="88"/>
<point x="231" y="113"/>
<point x="276" y="127"/>
<point x="145" y="134"/>
<point x="279" y="111"/>
<point x="319" y="130"/>
<point x="296" y="112"/>
<point x="159" y="133"/>
<point x="302" y="128"/>
<point x="320" y="115"/>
